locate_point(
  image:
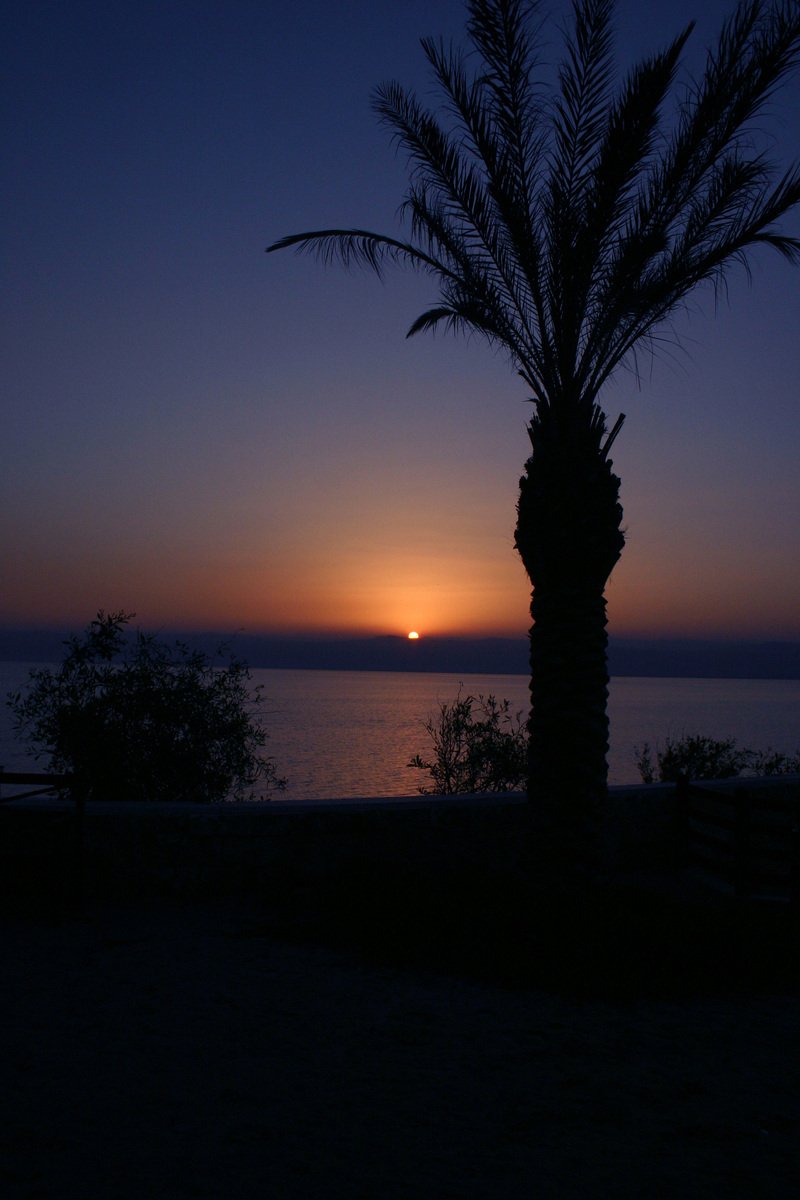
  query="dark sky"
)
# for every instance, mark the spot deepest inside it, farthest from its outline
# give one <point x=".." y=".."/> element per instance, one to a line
<point x="213" y="437"/>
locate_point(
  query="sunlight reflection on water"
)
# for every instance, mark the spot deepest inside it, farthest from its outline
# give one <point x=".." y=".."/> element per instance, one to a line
<point x="351" y="733"/>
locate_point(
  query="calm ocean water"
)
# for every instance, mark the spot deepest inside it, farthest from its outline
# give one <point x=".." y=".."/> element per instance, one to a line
<point x="351" y="733"/>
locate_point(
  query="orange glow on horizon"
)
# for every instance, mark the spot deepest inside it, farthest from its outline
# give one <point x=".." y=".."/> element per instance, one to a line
<point x="370" y="594"/>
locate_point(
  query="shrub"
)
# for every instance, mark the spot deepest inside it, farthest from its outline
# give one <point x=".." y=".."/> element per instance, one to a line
<point x="479" y="745"/>
<point x="693" y="755"/>
<point x="773" y="762"/>
<point x="699" y="757"/>
<point x="135" y="719"/>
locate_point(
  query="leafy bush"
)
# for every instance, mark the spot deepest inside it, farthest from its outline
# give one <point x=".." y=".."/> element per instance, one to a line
<point x="773" y="762"/>
<point x="698" y="757"/>
<point x="475" y="751"/>
<point x="135" y="719"/>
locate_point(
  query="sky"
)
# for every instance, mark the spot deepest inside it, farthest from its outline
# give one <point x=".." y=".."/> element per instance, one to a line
<point x="214" y="438"/>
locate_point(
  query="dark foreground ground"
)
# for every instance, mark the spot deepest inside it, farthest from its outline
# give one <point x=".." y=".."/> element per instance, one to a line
<point x="419" y="1046"/>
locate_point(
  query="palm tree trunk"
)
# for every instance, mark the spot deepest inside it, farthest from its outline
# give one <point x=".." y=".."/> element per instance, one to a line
<point x="568" y="724"/>
<point x="569" y="536"/>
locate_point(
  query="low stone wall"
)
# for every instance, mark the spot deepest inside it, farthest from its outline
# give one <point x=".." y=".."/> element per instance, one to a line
<point x="280" y="850"/>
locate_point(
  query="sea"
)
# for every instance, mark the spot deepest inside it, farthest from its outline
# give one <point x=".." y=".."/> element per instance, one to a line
<point x="341" y="734"/>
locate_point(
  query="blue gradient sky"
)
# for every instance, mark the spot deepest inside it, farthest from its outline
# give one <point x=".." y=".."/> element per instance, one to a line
<point x="216" y="438"/>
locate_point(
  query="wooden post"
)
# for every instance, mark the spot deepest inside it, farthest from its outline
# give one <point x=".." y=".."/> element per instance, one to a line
<point x="78" y="789"/>
<point x="741" y="846"/>
<point x="681" y="820"/>
<point x="794" y="866"/>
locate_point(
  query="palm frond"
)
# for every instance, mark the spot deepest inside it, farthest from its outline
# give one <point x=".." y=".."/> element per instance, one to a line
<point x="756" y="48"/>
<point x="359" y="248"/>
<point x="505" y="35"/>
<point x="462" y="201"/>
<point x="625" y="153"/>
<point x="579" y="111"/>
<point x="469" y="276"/>
<point x="705" y="253"/>
<point x="705" y="186"/>
<point x="440" y="168"/>
<point x="514" y="205"/>
<point x="578" y="120"/>
<point x="463" y="318"/>
<point x="500" y="32"/>
<point x="567" y="230"/>
<point x="430" y="319"/>
<point x="626" y="149"/>
<point x="466" y="99"/>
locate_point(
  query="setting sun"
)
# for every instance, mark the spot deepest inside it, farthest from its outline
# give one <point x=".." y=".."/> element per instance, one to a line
<point x="413" y="635"/>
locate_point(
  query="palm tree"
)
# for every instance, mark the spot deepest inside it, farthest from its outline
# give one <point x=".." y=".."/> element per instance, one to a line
<point x="565" y="223"/>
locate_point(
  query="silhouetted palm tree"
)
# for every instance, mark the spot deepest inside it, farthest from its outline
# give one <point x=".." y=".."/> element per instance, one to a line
<point x="565" y="223"/>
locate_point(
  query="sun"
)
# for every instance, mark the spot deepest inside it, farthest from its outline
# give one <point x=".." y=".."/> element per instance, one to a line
<point x="413" y="636"/>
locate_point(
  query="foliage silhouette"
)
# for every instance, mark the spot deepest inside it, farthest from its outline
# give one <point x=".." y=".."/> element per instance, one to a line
<point x="565" y="222"/>
<point x="479" y="745"/>
<point x="695" y="756"/>
<point x="135" y="719"/>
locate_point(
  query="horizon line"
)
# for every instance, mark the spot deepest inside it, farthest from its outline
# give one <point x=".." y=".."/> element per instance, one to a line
<point x="659" y="657"/>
